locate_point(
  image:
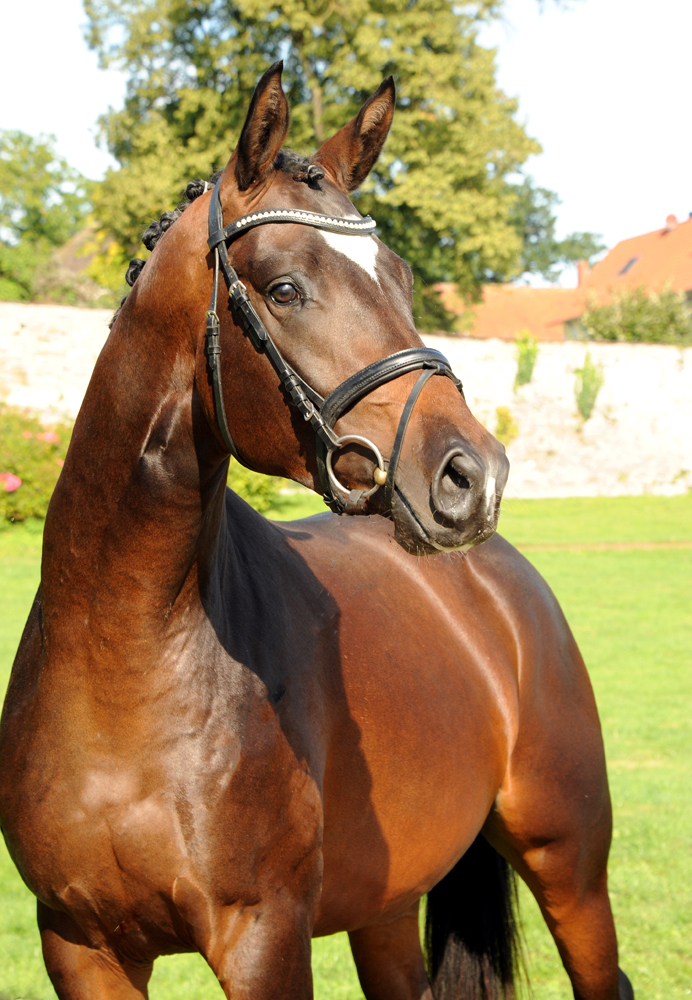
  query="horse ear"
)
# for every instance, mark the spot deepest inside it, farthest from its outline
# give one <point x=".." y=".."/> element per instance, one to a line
<point x="350" y="155"/>
<point x="264" y="130"/>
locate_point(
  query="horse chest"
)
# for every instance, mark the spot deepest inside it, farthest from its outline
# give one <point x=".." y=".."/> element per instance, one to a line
<point x="203" y="788"/>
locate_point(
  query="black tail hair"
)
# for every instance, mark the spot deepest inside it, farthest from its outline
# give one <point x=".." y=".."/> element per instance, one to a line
<point x="471" y="939"/>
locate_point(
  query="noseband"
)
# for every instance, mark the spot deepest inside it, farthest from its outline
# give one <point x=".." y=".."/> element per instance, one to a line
<point x="320" y="413"/>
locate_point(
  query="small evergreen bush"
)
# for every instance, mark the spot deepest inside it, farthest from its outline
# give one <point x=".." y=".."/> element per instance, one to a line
<point x="587" y="386"/>
<point x="506" y="428"/>
<point x="527" y="352"/>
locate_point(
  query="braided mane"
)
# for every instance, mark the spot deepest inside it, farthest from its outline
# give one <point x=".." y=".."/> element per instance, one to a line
<point x="300" y="168"/>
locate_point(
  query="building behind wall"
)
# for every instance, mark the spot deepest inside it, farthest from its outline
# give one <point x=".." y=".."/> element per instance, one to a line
<point x="654" y="261"/>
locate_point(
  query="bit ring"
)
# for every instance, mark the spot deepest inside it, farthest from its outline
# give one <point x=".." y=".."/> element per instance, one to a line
<point x="348" y="439"/>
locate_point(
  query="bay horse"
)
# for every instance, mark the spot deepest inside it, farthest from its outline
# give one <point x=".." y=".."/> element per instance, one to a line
<point x="229" y="736"/>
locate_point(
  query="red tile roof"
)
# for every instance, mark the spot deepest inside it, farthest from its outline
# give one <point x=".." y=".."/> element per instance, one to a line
<point x="508" y="310"/>
<point x="652" y="261"/>
<point x="655" y="261"/>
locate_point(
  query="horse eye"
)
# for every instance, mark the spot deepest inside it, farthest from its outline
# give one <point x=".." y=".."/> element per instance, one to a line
<point x="284" y="293"/>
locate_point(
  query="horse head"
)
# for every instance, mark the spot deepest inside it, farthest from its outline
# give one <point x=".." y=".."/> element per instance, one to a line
<point x="317" y="299"/>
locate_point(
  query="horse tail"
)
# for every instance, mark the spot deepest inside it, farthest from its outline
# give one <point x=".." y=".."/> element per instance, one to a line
<point x="471" y="939"/>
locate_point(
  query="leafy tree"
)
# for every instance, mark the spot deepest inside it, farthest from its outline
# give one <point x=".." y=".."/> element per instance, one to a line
<point x="534" y="220"/>
<point x="440" y="192"/>
<point x="43" y="201"/>
<point x="636" y="316"/>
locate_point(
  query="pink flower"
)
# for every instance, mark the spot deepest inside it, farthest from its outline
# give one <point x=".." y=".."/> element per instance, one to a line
<point x="60" y="461"/>
<point x="11" y="481"/>
<point x="27" y="434"/>
<point x="50" y="436"/>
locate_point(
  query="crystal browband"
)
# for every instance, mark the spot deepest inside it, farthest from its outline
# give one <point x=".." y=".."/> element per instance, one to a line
<point x="358" y="227"/>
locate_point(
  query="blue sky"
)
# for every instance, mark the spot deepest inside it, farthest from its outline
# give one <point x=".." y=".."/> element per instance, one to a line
<point x="604" y="85"/>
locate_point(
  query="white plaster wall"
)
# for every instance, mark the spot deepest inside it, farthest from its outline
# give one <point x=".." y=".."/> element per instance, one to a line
<point x="638" y="440"/>
<point x="47" y="354"/>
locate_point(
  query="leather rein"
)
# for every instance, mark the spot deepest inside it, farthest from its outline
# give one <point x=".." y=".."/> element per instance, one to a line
<point x="319" y="412"/>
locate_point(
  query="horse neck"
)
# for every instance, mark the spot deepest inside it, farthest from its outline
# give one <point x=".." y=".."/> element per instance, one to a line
<point x="138" y="507"/>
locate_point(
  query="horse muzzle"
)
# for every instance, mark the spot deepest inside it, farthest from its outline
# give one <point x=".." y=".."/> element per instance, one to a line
<point x="460" y="507"/>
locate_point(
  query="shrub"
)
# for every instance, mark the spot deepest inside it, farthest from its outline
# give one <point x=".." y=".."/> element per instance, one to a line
<point x="587" y="386"/>
<point x="638" y="317"/>
<point x="258" y="490"/>
<point x="506" y="428"/>
<point x="34" y="454"/>
<point x="527" y="352"/>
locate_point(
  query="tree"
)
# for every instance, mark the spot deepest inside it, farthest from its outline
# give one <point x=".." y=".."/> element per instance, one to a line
<point x="534" y="220"/>
<point x="440" y="193"/>
<point x="43" y="201"/>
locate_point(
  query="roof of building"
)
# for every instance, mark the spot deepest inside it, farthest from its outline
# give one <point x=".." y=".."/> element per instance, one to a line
<point x="654" y="261"/>
<point x="508" y="310"/>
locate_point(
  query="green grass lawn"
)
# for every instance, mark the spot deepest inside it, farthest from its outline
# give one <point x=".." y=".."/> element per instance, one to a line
<point x="631" y="610"/>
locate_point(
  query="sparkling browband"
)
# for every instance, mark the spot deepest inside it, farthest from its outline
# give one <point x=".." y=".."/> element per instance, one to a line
<point x="358" y="227"/>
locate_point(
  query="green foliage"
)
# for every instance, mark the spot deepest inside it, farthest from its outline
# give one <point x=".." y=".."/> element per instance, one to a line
<point x="587" y="386"/>
<point x="527" y="352"/>
<point x="108" y="264"/>
<point x="261" y="492"/>
<point x="35" y="454"/>
<point x="429" y="312"/>
<point x="533" y="218"/>
<point x="293" y="501"/>
<point x="43" y="201"/>
<point x="636" y="316"/>
<point x="506" y="428"/>
<point x="440" y="192"/>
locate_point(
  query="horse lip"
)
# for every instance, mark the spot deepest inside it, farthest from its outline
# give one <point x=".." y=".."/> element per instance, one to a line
<point x="432" y="545"/>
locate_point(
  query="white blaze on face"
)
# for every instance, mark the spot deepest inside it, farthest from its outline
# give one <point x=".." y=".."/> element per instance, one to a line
<point x="490" y="491"/>
<point x="362" y="250"/>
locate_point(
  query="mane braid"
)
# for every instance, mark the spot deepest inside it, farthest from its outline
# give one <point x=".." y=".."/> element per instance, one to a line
<point x="300" y="168"/>
<point x="155" y="230"/>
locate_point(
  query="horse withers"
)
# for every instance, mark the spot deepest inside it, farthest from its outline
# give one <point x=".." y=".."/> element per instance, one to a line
<point x="229" y="736"/>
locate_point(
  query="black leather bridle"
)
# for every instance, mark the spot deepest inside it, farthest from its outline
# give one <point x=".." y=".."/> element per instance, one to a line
<point x="320" y="413"/>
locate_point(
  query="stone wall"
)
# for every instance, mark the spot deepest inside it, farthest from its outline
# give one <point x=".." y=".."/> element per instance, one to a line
<point x="47" y="354"/>
<point x="638" y="440"/>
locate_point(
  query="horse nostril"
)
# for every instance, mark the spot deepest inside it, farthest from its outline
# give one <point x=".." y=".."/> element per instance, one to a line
<point x="458" y="478"/>
<point x="454" y="491"/>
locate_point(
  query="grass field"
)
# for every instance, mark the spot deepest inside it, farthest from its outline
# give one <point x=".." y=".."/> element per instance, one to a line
<point x="631" y="610"/>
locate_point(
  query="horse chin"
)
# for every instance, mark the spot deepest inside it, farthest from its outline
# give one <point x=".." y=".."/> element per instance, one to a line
<point x="421" y="539"/>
